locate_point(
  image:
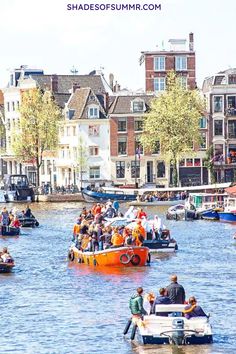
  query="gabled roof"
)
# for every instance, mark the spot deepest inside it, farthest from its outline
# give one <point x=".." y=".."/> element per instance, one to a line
<point x="80" y="99"/>
<point x="61" y="98"/>
<point x="65" y="82"/>
<point x="122" y="104"/>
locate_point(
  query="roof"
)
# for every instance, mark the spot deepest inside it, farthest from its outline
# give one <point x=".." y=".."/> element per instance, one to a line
<point x="61" y="98"/>
<point x="122" y="104"/>
<point x="65" y="82"/>
<point x="80" y="99"/>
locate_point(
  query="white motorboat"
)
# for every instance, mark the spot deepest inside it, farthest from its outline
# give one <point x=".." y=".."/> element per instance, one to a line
<point x="173" y="329"/>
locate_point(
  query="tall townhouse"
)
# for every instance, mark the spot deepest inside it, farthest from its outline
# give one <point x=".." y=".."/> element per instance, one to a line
<point x="130" y="165"/>
<point x="220" y="93"/>
<point x="2" y="137"/>
<point x="84" y="145"/>
<point x="181" y="59"/>
<point x="61" y="87"/>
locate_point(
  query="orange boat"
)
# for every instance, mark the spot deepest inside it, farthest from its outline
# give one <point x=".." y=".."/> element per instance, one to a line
<point x="125" y="256"/>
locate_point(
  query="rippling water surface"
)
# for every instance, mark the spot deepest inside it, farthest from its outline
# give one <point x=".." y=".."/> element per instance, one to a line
<point x="50" y="306"/>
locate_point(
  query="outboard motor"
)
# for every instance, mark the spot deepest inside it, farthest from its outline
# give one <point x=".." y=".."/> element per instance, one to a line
<point x="178" y="331"/>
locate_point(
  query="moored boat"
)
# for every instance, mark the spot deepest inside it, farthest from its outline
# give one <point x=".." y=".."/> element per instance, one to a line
<point x="28" y="221"/>
<point x="125" y="256"/>
<point x="210" y="214"/>
<point x="229" y="212"/>
<point x="174" y="329"/>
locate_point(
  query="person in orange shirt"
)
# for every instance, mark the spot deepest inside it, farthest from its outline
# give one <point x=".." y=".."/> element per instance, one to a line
<point x="97" y="209"/>
<point x="117" y="240"/>
<point x="76" y="229"/>
<point x="141" y="214"/>
<point x="139" y="233"/>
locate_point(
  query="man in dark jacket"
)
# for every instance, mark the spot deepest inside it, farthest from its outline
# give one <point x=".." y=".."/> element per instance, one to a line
<point x="175" y="291"/>
<point x="161" y="300"/>
<point x="136" y="303"/>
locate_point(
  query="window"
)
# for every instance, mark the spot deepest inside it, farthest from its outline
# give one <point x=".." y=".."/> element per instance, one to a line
<point x="138" y="106"/>
<point x="202" y="123"/>
<point x="138" y="147"/>
<point x="68" y="152"/>
<point x="93" y="150"/>
<point x="189" y="162"/>
<point x="231" y="105"/>
<point x="203" y="141"/>
<point x="63" y="153"/>
<point x="159" y="84"/>
<point x="75" y="155"/>
<point x="138" y="125"/>
<point x="197" y="162"/>
<point x="121" y="127"/>
<point x="218" y="156"/>
<point x="43" y="168"/>
<point x="93" y="112"/>
<point x="74" y="130"/>
<point x="182" y="163"/>
<point x="232" y="129"/>
<point x="17" y="104"/>
<point x="62" y="131"/>
<point x="120" y="169"/>
<point x="183" y="81"/>
<point x="70" y="113"/>
<point x="218" y="104"/>
<point x="68" y="131"/>
<point x="122" y="145"/>
<point x="13" y="105"/>
<point x="94" y="172"/>
<point x="135" y="169"/>
<point x="8" y="106"/>
<point x="232" y="79"/>
<point x="180" y="63"/>
<point x="93" y="130"/>
<point x="161" y="169"/>
<point x="218" y="127"/>
<point x="159" y="63"/>
<point x="48" y="167"/>
<point x="156" y="149"/>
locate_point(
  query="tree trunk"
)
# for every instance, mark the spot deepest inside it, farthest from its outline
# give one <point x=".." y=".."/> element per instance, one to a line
<point x="175" y="173"/>
<point x="37" y="176"/>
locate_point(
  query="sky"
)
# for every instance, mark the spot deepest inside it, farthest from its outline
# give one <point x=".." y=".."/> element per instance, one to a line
<point x="44" y="34"/>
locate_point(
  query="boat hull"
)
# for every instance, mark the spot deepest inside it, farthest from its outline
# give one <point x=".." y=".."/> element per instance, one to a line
<point x="227" y="216"/>
<point x="91" y="196"/>
<point x="209" y="215"/>
<point x="6" y="267"/>
<point x="190" y="340"/>
<point x="118" y="257"/>
<point x="156" y="203"/>
<point x="28" y="222"/>
<point x="156" y="246"/>
<point x="10" y="231"/>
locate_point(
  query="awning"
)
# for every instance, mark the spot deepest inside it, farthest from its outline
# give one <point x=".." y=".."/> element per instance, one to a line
<point x="231" y="190"/>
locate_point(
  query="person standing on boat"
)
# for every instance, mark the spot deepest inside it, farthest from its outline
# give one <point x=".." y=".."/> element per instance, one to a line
<point x="117" y="239"/>
<point x="5" y="217"/>
<point x="136" y="304"/>
<point x="27" y="212"/>
<point x="193" y="309"/>
<point x="116" y="206"/>
<point x="175" y="291"/>
<point x="110" y="212"/>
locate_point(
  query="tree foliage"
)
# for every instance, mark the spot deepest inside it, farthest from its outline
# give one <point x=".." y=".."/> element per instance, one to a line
<point x="173" y="120"/>
<point x="37" y="131"/>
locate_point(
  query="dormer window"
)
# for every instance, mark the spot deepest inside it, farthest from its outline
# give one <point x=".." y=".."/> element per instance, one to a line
<point x="70" y="113"/>
<point x="93" y="112"/>
<point x="138" y="106"/>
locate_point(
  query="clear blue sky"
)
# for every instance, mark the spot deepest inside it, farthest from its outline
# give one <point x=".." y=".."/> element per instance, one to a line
<point x="43" y="34"/>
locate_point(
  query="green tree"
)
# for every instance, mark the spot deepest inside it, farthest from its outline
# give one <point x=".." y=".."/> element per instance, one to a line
<point x="173" y="120"/>
<point x="209" y="164"/>
<point x="37" y="132"/>
<point x="81" y="160"/>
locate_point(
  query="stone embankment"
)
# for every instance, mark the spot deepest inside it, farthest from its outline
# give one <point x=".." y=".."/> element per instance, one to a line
<point x="74" y="197"/>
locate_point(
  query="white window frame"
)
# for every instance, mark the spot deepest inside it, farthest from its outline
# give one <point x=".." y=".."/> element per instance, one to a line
<point x="137" y="101"/>
<point x="94" y="176"/>
<point x="93" y="151"/>
<point x="122" y="120"/>
<point x="213" y="104"/>
<point x="93" y="111"/>
<point x="223" y="132"/>
<point x="161" y="83"/>
<point x="181" y="62"/>
<point x="200" y="122"/>
<point x="160" y="63"/>
<point x="93" y="130"/>
<point x="183" y="83"/>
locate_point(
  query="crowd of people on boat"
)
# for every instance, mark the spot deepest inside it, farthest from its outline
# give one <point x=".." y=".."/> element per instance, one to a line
<point x="92" y="232"/>
<point x="174" y="293"/>
<point x="162" y="196"/>
<point x="11" y="217"/>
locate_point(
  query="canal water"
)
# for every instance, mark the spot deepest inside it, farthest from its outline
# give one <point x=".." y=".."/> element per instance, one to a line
<point x="50" y="306"/>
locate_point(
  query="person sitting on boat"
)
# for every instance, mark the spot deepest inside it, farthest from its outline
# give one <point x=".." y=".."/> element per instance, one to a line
<point x="28" y="213"/>
<point x="5" y="217"/>
<point x="5" y="256"/>
<point x="110" y="212"/>
<point x="117" y="239"/>
<point x="175" y="291"/>
<point x="139" y="233"/>
<point x="116" y="205"/>
<point x="193" y="309"/>
<point x="15" y="222"/>
<point x="89" y="215"/>
<point x="98" y="219"/>
<point x="141" y="214"/>
<point x="136" y="304"/>
<point x="162" y="299"/>
<point x="83" y="213"/>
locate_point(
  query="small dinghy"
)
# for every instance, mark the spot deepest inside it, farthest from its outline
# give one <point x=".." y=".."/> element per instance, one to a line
<point x="9" y="231"/>
<point x="28" y="221"/>
<point x="6" y="267"/>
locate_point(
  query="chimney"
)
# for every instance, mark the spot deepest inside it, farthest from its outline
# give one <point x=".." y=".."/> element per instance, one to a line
<point x="111" y="81"/>
<point x="54" y="83"/>
<point x="106" y="101"/>
<point x="191" y="42"/>
<point x="75" y="86"/>
<point x="116" y="87"/>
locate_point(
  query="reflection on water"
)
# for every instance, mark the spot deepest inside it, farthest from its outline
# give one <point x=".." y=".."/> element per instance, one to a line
<point x="50" y="306"/>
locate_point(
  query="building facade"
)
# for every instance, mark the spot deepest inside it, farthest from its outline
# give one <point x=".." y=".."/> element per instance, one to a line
<point x="220" y="93"/>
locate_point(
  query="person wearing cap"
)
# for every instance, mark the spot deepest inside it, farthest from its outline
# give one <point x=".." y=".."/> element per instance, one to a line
<point x="193" y="309"/>
<point x="175" y="291"/>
